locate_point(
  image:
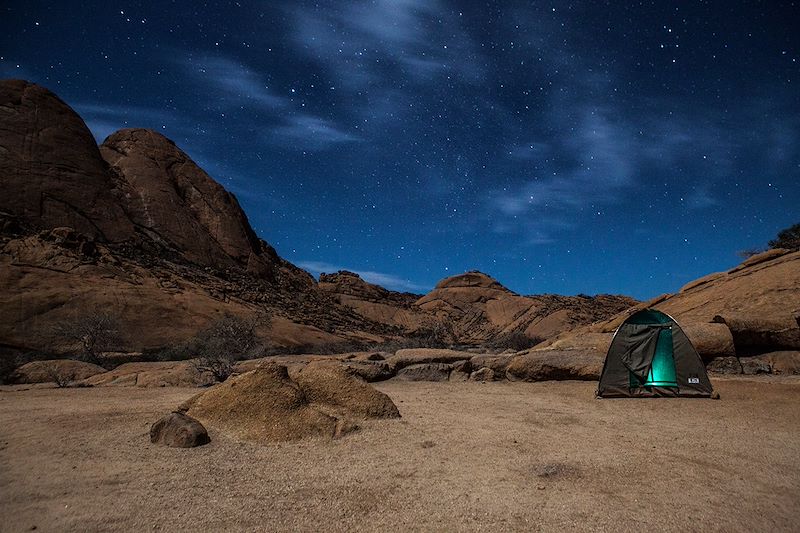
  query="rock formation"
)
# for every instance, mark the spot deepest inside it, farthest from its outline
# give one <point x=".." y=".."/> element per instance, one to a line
<point x="136" y="229"/>
<point x="52" y="172"/>
<point x="266" y="405"/>
<point x="748" y="311"/>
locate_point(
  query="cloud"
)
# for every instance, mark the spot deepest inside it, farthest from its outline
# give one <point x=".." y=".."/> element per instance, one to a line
<point x="701" y="198"/>
<point x="240" y="82"/>
<point x="383" y="279"/>
<point x="312" y="133"/>
<point x="602" y="166"/>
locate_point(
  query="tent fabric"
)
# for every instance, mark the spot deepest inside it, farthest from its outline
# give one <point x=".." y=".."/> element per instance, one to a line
<point x="639" y="348"/>
<point x="649" y="356"/>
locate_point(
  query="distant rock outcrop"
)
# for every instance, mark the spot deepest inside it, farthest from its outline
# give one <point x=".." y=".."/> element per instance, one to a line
<point x="479" y="309"/>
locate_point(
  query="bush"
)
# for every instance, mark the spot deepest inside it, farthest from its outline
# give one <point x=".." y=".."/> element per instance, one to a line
<point x="59" y="375"/>
<point x="224" y="342"/>
<point x="88" y="335"/>
<point x="788" y="238"/>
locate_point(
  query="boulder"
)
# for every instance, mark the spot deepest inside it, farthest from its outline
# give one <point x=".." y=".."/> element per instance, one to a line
<point x="333" y="385"/>
<point x="724" y="365"/>
<point x="496" y="363"/>
<point x="415" y="356"/>
<point x="483" y="374"/>
<point x="782" y="362"/>
<point x="262" y="405"/>
<point x="55" y="370"/>
<point x="178" y="430"/>
<point x="710" y="339"/>
<point x="369" y="371"/>
<point x="424" y="372"/>
<point x="153" y="374"/>
<point x="755" y="365"/>
<point x="555" y="364"/>
<point x="756" y="333"/>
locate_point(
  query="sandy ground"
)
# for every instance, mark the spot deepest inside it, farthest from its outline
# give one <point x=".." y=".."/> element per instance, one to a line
<point x="465" y="456"/>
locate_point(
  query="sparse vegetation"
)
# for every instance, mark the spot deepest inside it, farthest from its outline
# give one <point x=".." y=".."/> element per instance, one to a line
<point x="747" y="254"/>
<point x="88" y="335"/>
<point x="788" y="238"/>
<point x="58" y="374"/>
<point x="226" y="341"/>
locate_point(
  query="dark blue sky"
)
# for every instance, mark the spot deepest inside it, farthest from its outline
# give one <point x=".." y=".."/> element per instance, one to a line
<point x="569" y="147"/>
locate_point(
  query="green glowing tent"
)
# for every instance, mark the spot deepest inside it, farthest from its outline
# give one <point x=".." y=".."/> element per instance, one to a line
<point x="650" y="355"/>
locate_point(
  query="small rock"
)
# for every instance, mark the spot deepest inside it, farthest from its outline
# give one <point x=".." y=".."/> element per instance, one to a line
<point x="178" y="430"/>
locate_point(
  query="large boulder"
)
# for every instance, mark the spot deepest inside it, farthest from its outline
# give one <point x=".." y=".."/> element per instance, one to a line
<point x="333" y="385"/>
<point x="757" y="333"/>
<point x="153" y="374"/>
<point x="61" y="371"/>
<point x="266" y="405"/>
<point x="178" y="430"/>
<point x="261" y="405"/>
<point x="555" y="364"/>
<point x="710" y="339"/>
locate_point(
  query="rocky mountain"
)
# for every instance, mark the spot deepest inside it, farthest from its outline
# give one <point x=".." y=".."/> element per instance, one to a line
<point x="136" y="229"/>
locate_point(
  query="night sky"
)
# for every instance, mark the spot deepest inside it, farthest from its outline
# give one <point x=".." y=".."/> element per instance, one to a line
<point x="568" y="147"/>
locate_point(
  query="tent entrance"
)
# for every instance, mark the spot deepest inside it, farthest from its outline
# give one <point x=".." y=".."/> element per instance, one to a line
<point x="662" y="370"/>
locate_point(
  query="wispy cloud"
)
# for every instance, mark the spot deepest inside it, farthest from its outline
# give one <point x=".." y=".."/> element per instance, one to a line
<point x="601" y="167"/>
<point x="367" y="41"/>
<point x="240" y="83"/>
<point x="389" y="281"/>
<point x="701" y="198"/>
<point x="312" y="133"/>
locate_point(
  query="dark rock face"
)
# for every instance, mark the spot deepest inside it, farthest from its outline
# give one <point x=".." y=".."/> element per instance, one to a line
<point x="178" y="430"/>
<point x="179" y="206"/>
<point x="51" y="171"/>
<point x="369" y="371"/>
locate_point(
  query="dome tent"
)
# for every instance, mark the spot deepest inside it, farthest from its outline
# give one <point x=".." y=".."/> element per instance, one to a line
<point x="650" y="355"/>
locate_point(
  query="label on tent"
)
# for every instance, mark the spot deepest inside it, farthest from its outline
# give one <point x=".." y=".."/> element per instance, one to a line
<point x="694" y="380"/>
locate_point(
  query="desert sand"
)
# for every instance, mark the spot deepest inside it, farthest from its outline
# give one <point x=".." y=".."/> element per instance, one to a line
<point x="465" y="456"/>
